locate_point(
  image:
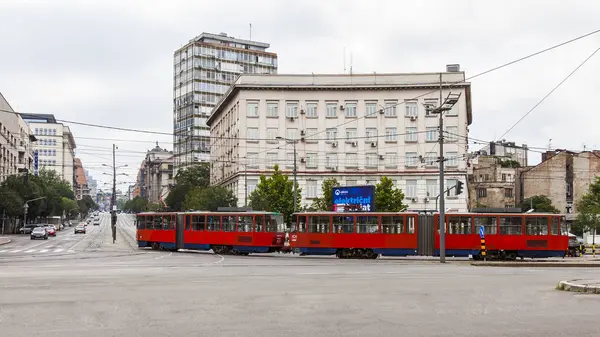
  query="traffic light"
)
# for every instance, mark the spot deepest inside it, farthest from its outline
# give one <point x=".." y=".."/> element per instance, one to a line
<point x="459" y="187"/>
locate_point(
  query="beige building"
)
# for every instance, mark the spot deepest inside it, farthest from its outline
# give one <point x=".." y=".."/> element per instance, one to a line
<point x="156" y="174"/>
<point x="491" y="183"/>
<point x="356" y="128"/>
<point x="55" y="145"/>
<point x="563" y="176"/>
<point x="16" y="142"/>
<point x="82" y="187"/>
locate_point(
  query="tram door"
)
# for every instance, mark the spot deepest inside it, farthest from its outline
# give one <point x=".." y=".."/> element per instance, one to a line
<point x="426" y="235"/>
<point x="179" y="227"/>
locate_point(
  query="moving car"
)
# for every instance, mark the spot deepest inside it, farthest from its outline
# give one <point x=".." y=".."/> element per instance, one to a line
<point x="39" y="233"/>
<point x="97" y="222"/>
<point x="51" y="230"/>
<point x="80" y="229"/>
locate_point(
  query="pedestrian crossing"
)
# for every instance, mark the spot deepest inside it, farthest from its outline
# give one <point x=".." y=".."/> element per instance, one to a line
<point x="41" y="250"/>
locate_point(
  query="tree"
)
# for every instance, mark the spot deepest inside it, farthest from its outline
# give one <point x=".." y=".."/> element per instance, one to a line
<point x="387" y="197"/>
<point x="209" y="198"/>
<point x="325" y="203"/>
<point x="197" y="176"/>
<point x="540" y="203"/>
<point x="588" y="210"/>
<point x="69" y="206"/>
<point x="11" y="203"/>
<point x="86" y="204"/>
<point x="275" y="194"/>
<point x="136" y="205"/>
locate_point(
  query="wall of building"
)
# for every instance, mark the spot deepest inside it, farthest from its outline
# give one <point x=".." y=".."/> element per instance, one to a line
<point x="157" y="173"/>
<point x="490" y="184"/>
<point x="15" y="143"/>
<point x="55" y="146"/>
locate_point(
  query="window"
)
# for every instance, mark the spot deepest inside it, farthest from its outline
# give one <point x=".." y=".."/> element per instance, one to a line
<point x="311" y="135"/>
<point x="453" y="111"/>
<point x="311" y="160"/>
<point x="431" y="104"/>
<point x="390" y="108"/>
<point x="252" y="109"/>
<point x="371" y="160"/>
<point x="459" y="225"/>
<point x="272" y="134"/>
<point x="371" y="135"/>
<point x="351" y="134"/>
<point x="350" y="110"/>
<point x="411" y="108"/>
<point x="431" y="159"/>
<point x="391" y="135"/>
<point x="432" y="188"/>
<point x="197" y="222"/>
<point x="367" y="224"/>
<point x="213" y="223"/>
<point x="511" y="225"/>
<point x="331" y="135"/>
<point x="228" y="223"/>
<point x="245" y="223"/>
<point x="331" y="160"/>
<point x="331" y="110"/>
<point x="452" y="159"/>
<point x="311" y="188"/>
<point x="536" y="226"/>
<point x="391" y="160"/>
<point x="291" y="109"/>
<point x="351" y="160"/>
<point x="272" y="109"/>
<point x="451" y="134"/>
<point x="503" y="176"/>
<point x="271" y="159"/>
<point x="411" y="188"/>
<point x="311" y="110"/>
<point x="487" y="222"/>
<point x="392" y="224"/>
<point x="431" y="134"/>
<point x="259" y="223"/>
<point x="251" y="185"/>
<point x="411" y="159"/>
<point x="252" y="159"/>
<point x="370" y="109"/>
<point x="481" y="192"/>
<point x="554" y="226"/>
<point x="289" y="159"/>
<point x="318" y="224"/>
<point x="252" y="135"/>
<point x="343" y="224"/>
<point x="291" y="133"/>
<point x="411" y="134"/>
<point x="450" y="183"/>
<point x="508" y="192"/>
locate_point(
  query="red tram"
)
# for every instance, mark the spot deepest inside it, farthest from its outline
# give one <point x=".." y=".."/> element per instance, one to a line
<point x="223" y="232"/>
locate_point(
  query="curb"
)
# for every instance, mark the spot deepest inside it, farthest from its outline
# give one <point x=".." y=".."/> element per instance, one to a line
<point x="538" y="264"/>
<point x="5" y="242"/>
<point x="578" y="288"/>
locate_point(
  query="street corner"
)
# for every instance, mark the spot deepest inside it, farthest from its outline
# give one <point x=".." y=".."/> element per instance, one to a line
<point x="580" y="286"/>
<point x="4" y="241"/>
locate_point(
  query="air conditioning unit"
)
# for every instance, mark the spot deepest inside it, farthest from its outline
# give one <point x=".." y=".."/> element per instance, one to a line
<point x="302" y="139"/>
<point x="291" y="119"/>
<point x="334" y="144"/>
<point x="302" y="160"/>
<point x="341" y="107"/>
<point x="373" y="144"/>
<point x="302" y="112"/>
<point x="334" y="169"/>
<point x="381" y="111"/>
<point x="413" y="118"/>
<point x="354" y="144"/>
<point x="380" y="157"/>
<point x="414" y="199"/>
<point x="302" y="132"/>
<point x="426" y="200"/>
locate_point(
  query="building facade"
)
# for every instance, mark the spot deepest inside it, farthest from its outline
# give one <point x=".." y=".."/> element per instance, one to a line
<point x="491" y="183"/>
<point x="355" y="128"/>
<point x="55" y="145"/>
<point x="92" y="185"/>
<point x="507" y="150"/>
<point x="16" y="142"/>
<point x="204" y="69"/>
<point x="157" y="174"/>
<point x="81" y="187"/>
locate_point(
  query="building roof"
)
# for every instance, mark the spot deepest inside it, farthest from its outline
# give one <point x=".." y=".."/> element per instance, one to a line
<point x="80" y="173"/>
<point x="48" y="118"/>
<point x="224" y="37"/>
<point x="344" y="82"/>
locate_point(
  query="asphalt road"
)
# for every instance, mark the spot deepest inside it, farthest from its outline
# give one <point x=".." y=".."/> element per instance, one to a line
<point x="106" y="289"/>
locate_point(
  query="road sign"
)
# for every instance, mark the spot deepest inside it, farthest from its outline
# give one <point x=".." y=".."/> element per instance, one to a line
<point x="481" y="232"/>
<point x="35" y="163"/>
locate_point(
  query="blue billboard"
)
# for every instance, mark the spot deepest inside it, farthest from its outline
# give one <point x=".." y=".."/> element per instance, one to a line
<point x="353" y="198"/>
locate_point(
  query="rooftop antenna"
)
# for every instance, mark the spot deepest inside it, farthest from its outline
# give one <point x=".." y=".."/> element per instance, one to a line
<point x="250" y="33"/>
<point x="549" y="144"/>
<point x="584" y="148"/>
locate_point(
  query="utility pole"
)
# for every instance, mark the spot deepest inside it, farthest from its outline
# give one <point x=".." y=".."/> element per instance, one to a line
<point x="113" y="201"/>
<point x="442" y="200"/>
<point x="3" y="217"/>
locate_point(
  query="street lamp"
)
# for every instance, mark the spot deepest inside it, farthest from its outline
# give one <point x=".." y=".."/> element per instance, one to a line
<point x="293" y="142"/>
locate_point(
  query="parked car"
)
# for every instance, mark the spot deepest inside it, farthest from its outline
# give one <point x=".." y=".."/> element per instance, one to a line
<point x="39" y="233"/>
<point x="28" y="228"/>
<point x="80" y="229"/>
<point x="51" y="230"/>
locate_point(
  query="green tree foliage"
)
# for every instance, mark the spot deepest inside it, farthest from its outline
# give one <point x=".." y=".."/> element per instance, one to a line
<point x="69" y="206"/>
<point x="197" y="176"/>
<point x="541" y="203"/>
<point x="11" y="203"/>
<point x="86" y="204"/>
<point x="588" y="210"/>
<point x="136" y="205"/>
<point x="388" y="198"/>
<point x="209" y="198"/>
<point x="325" y="203"/>
<point x="275" y="194"/>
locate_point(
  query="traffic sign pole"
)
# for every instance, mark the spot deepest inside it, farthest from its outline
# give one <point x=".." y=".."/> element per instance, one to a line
<point x="483" y="250"/>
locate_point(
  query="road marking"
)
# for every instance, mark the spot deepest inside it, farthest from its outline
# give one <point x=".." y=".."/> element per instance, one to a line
<point x="58" y="250"/>
<point x="71" y="251"/>
<point x="43" y="250"/>
<point x="29" y="251"/>
<point x="16" y="251"/>
<point x="4" y="250"/>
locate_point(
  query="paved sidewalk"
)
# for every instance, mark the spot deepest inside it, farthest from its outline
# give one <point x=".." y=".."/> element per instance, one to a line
<point x="580" y="286"/>
<point x="4" y="241"/>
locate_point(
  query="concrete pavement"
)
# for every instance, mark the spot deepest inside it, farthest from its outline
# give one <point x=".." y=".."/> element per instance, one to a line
<point x="4" y="241"/>
<point x="590" y="286"/>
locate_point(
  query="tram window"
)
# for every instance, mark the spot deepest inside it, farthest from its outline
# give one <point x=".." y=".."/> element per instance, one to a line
<point x="245" y="223"/>
<point x="198" y="222"/>
<point x="554" y="226"/>
<point x="169" y="222"/>
<point x="511" y="225"/>
<point x="301" y="224"/>
<point x="271" y="224"/>
<point x="564" y="227"/>
<point x="536" y="226"/>
<point x="343" y="224"/>
<point x="260" y="223"/>
<point x="141" y="222"/>
<point x="158" y="222"/>
<point x="213" y="223"/>
<point x="188" y="222"/>
<point x="392" y="224"/>
<point x="149" y="222"/>
<point x="318" y="224"/>
<point x="459" y="225"/>
<point x="367" y="224"/>
<point x="228" y="223"/>
<point x="488" y="223"/>
<point x="410" y="220"/>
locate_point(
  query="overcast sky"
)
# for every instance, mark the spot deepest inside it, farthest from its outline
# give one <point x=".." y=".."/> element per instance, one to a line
<point x="110" y="62"/>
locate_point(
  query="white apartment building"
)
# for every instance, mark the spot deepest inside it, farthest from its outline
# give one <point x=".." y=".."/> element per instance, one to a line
<point x="203" y="70"/>
<point x="356" y="128"/>
<point x="55" y="145"/>
<point x="16" y="141"/>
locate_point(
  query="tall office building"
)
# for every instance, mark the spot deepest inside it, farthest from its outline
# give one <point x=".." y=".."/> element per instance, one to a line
<point x="203" y="70"/>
